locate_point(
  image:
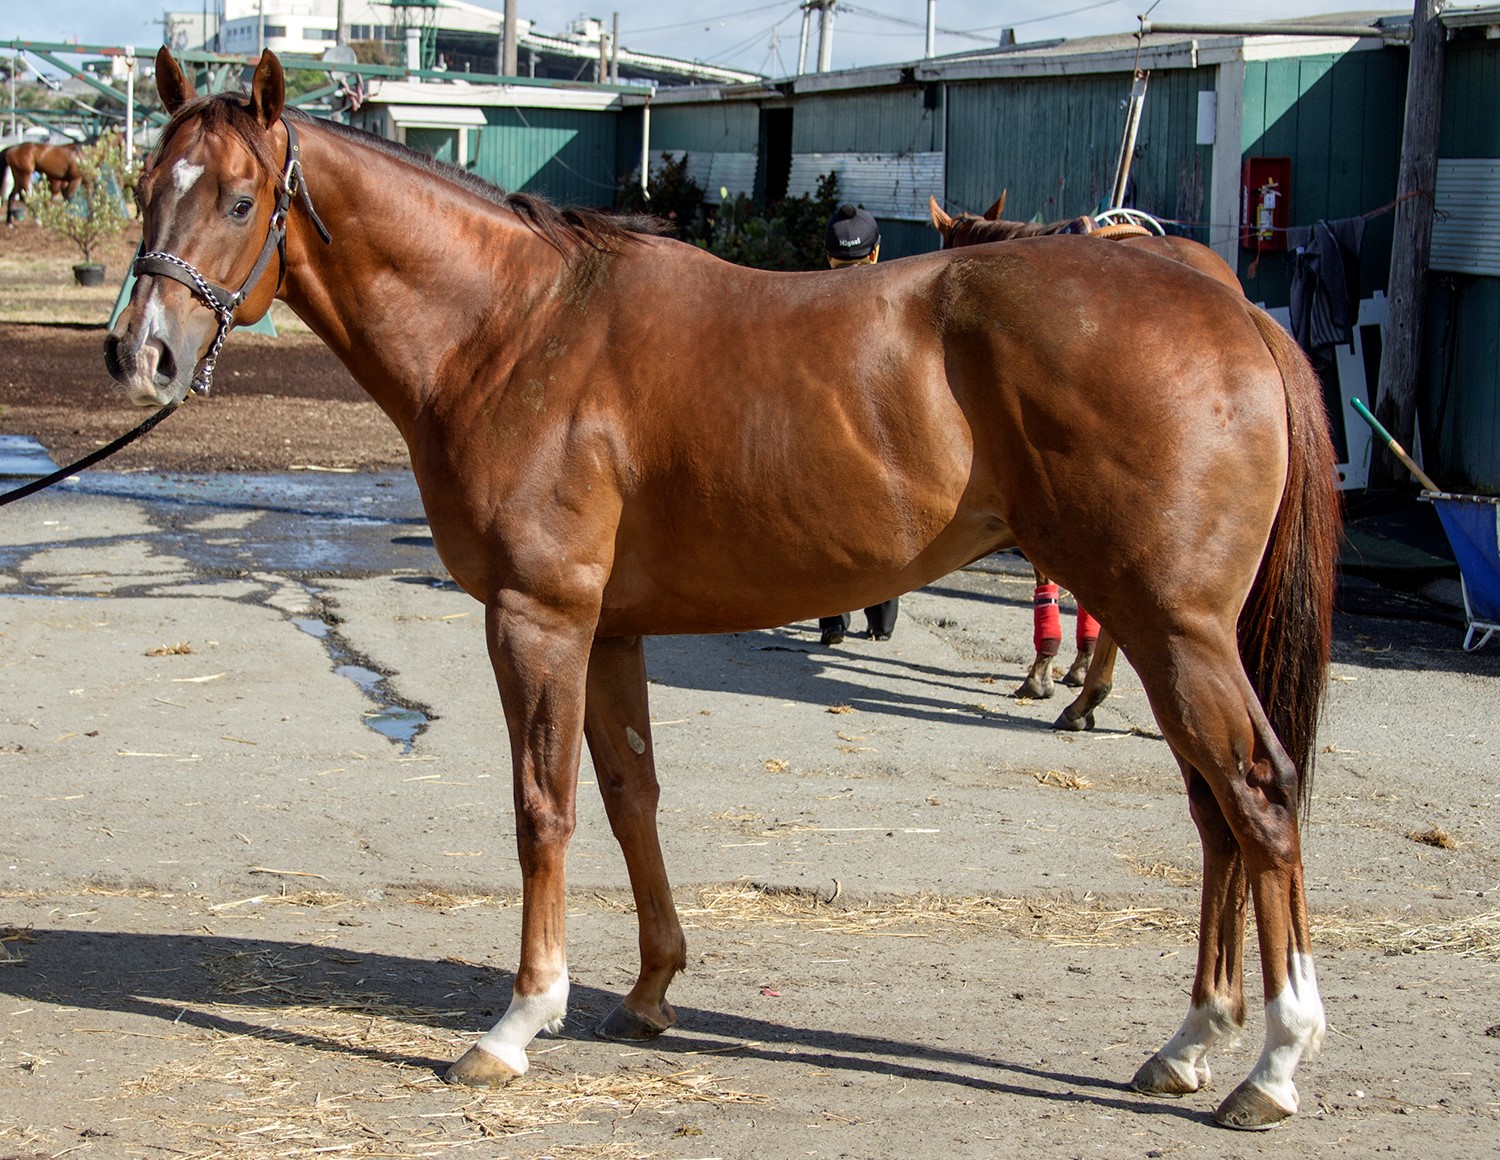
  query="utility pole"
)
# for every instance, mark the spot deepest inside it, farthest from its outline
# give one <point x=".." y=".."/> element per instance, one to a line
<point x="614" y="52"/>
<point x="1411" y="242"/>
<point x="825" y="34"/>
<point x="508" y="63"/>
<point x="931" y="29"/>
<point x="807" y="7"/>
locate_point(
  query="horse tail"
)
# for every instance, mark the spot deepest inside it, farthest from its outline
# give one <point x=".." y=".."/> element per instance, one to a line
<point x="1286" y="626"/>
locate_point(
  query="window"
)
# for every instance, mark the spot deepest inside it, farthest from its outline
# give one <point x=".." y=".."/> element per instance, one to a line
<point x="275" y="30"/>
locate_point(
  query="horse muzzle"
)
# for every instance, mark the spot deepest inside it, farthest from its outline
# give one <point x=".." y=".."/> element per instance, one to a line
<point x="147" y="367"/>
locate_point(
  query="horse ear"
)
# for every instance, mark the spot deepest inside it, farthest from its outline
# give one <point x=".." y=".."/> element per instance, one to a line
<point x="993" y="213"/>
<point x="172" y="86"/>
<point x="940" y="220"/>
<point x="267" y="90"/>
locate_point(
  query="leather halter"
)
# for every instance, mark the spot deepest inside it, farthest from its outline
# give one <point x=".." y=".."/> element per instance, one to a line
<point x="224" y="302"/>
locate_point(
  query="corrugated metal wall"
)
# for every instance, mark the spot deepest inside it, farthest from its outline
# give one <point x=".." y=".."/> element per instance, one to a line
<point x="567" y="156"/>
<point x="1460" y="412"/>
<point x="896" y="129"/>
<point x="1339" y="119"/>
<point x="1052" y="144"/>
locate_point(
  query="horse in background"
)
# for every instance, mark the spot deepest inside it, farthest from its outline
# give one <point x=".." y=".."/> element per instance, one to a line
<point x="1093" y="668"/>
<point x="59" y="164"/>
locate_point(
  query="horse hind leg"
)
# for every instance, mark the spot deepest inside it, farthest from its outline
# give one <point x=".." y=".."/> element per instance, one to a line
<point x="1217" y="1009"/>
<point x="1213" y="721"/>
<point x="1098" y="683"/>
<point x="618" y="729"/>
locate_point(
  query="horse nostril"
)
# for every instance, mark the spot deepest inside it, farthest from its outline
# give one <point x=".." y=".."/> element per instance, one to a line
<point x="112" y="358"/>
<point x="166" y="365"/>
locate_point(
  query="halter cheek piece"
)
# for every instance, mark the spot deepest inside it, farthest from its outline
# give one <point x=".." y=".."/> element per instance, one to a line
<point x="224" y="302"/>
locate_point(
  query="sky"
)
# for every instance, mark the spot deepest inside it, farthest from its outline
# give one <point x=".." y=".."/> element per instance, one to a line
<point x="753" y="35"/>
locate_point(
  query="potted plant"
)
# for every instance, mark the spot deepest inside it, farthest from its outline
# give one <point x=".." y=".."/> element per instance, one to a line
<point x="96" y="213"/>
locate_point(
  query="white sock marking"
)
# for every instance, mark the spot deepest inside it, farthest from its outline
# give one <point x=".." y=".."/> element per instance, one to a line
<point x="526" y="1015"/>
<point x="1294" y="1025"/>
<point x="1204" y="1028"/>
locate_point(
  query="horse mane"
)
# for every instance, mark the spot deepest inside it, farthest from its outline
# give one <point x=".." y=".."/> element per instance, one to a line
<point x="565" y="228"/>
<point x="562" y="227"/>
<point x="971" y="231"/>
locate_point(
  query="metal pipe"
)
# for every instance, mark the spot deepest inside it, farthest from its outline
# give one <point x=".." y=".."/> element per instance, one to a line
<point x="801" y="47"/>
<point x="1150" y="27"/>
<point x="931" y="29"/>
<point x="1127" y="143"/>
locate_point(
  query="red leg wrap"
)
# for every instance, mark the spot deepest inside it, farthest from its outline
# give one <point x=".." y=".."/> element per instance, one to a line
<point x="1046" y="621"/>
<point x="1088" y="631"/>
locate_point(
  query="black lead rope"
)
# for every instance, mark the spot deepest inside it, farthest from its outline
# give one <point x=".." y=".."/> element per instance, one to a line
<point x="88" y="460"/>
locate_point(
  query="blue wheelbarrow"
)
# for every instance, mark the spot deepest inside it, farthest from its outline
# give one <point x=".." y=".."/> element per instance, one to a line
<point x="1472" y="524"/>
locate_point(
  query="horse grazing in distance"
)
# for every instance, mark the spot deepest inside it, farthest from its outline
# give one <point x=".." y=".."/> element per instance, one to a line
<point x="59" y="164"/>
<point x="1092" y="670"/>
<point x="617" y="434"/>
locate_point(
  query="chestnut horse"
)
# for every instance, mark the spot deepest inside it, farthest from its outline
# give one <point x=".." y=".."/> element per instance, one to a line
<point x="616" y="434"/>
<point x="1094" y="667"/>
<point x="57" y="163"/>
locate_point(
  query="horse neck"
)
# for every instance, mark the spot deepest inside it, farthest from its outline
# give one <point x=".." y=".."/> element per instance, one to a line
<point x="455" y="253"/>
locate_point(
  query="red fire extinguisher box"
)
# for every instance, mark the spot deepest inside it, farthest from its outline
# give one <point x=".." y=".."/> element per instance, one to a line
<point x="1265" y="189"/>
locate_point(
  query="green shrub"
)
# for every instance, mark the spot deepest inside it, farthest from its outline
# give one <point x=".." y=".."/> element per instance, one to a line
<point x="96" y="212"/>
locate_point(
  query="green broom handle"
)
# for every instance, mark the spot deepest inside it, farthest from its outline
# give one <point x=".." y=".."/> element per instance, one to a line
<point x="1395" y="448"/>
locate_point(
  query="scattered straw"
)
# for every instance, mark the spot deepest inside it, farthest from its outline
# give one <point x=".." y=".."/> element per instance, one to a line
<point x="1434" y="837"/>
<point x="180" y="649"/>
<point x="1062" y="779"/>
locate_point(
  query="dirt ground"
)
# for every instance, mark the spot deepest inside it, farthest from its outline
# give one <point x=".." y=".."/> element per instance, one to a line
<point x="278" y="403"/>
<point x="236" y="922"/>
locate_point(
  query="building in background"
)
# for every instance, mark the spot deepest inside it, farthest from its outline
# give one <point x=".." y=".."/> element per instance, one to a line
<point x="451" y="35"/>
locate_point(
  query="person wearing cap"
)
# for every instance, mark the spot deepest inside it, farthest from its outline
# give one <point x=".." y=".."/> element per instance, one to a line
<point x="853" y="239"/>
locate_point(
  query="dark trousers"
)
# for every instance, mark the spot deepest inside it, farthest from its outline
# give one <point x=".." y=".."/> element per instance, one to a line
<point x="881" y="619"/>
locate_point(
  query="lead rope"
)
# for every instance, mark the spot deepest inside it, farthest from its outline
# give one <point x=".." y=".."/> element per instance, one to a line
<point x="90" y="459"/>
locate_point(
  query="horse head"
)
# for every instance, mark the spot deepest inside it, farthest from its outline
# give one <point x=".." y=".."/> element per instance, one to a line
<point x="210" y="200"/>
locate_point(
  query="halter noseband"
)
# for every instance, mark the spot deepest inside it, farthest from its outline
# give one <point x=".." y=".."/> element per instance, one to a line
<point x="224" y="302"/>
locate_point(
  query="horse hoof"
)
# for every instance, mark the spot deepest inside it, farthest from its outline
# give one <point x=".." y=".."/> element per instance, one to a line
<point x="1250" y="1110"/>
<point x="1157" y="1077"/>
<point x="1034" y="690"/>
<point x="1073" y="678"/>
<point x="631" y="1026"/>
<point x="1067" y="723"/>
<point x="478" y="1068"/>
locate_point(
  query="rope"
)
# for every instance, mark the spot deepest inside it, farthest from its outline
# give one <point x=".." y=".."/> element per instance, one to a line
<point x="88" y="460"/>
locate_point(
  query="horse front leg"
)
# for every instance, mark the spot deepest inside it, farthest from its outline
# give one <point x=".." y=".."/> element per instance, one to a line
<point x="617" y="726"/>
<point x="540" y="658"/>
<point x="1098" y="682"/>
<point x="1046" y="639"/>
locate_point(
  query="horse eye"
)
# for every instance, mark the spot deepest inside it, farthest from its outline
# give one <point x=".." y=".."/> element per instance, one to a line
<point x="242" y="207"/>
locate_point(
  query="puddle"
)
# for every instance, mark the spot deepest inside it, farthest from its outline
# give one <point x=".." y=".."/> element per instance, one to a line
<point x="21" y="455"/>
<point x="396" y="723"/>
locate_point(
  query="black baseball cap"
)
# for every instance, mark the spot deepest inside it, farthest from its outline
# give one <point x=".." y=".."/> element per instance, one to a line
<point x="851" y="234"/>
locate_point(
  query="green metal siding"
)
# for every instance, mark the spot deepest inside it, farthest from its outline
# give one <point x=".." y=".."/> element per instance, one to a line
<point x="1052" y="144"/>
<point x="565" y="155"/>
<point x="1460" y="393"/>
<point x="721" y="127"/>
<point x="878" y="121"/>
<point x="1338" y="118"/>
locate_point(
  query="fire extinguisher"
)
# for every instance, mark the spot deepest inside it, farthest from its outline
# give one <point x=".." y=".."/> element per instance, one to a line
<point x="1265" y="213"/>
